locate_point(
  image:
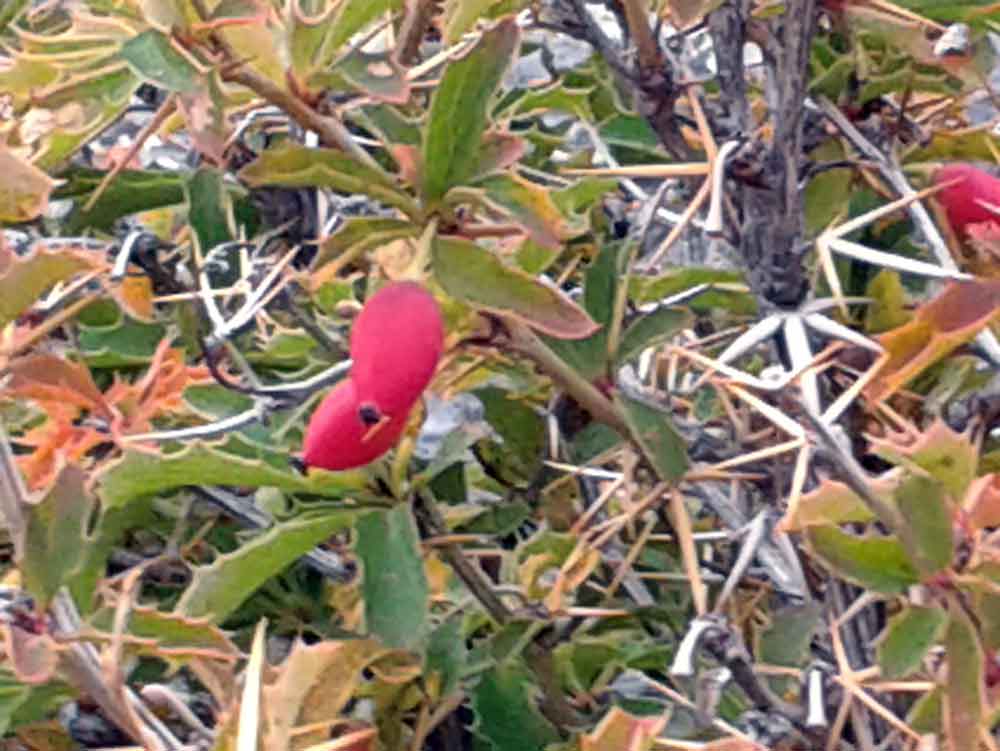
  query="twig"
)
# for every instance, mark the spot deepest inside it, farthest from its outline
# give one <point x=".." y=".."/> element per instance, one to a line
<point x="426" y="508"/>
<point x="161" y="115"/>
<point x="331" y="132"/>
<point x="637" y="17"/>
<point x="525" y="342"/>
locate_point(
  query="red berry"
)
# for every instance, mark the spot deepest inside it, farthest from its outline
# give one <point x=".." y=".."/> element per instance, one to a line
<point x="338" y="438"/>
<point x="396" y="343"/>
<point x="961" y="200"/>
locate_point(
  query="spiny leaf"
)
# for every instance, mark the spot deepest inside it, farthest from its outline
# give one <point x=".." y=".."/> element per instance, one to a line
<point x="925" y="509"/>
<point x="142" y="473"/>
<point x="946" y="455"/>
<point x="218" y="589"/>
<point x="532" y="207"/>
<point x="24" y="279"/>
<point x="313" y="684"/>
<point x="964" y="693"/>
<point x="621" y="731"/>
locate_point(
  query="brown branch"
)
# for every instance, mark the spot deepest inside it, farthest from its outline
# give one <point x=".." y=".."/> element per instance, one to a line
<point x="637" y="17"/>
<point x="411" y="32"/>
<point x="331" y="132"/>
<point x="525" y="342"/>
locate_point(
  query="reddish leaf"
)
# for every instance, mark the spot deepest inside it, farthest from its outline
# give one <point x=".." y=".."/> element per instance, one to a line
<point x="31" y="656"/>
<point x="205" y="118"/>
<point x="982" y="502"/>
<point x="56" y="442"/>
<point x="948" y="456"/>
<point x="48" y="378"/>
<point x="939" y="327"/>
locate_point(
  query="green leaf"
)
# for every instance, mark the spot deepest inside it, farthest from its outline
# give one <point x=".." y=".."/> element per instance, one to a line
<point x="653" y="430"/>
<point x="10" y="11"/>
<point x="925" y="714"/>
<point x="924" y="508"/>
<point x="21" y="703"/>
<point x="24" y="279"/>
<point x="835" y="503"/>
<point x="459" y="110"/>
<point x="217" y="590"/>
<point x="460" y="16"/>
<point x="476" y="276"/>
<point x="210" y="212"/>
<point x="877" y="563"/>
<point x="506" y="716"/>
<point x="906" y="639"/>
<point x="140" y="473"/>
<point x="359" y="234"/>
<point x="153" y="58"/>
<point x="56" y="535"/>
<point x="652" y="329"/>
<point x="447" y="655"/>
<point x="394" y="585"/>
<point x="789" y="635"/>
<point x="589" y="357"/>
<point x="294" y="166"/>
<point x="965" y="691"/>
<point x="532" y="207"/>
<point x="215" y="402"/>
<point x="888" y="311"/>
<point x="125" y="343"/>
<point x="353" y="16"/>
<point x="131" y="191"/>
<point x="517" y="457"/>
<point x="653" y="289"/>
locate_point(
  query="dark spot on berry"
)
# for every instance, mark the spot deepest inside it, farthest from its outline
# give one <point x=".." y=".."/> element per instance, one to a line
<point x="369" y="414"/>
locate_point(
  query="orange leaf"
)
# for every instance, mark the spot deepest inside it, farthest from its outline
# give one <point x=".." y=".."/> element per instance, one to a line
<point x="56" y="442"/>
<point x="48" y="378"/>
<point x="938" y="328"/>
<point x="135" y="295"/>
<point x="621" y="731"/>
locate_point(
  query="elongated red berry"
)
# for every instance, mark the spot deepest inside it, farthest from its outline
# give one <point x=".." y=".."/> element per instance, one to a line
<point x="961" y="201"/>
<point x="339" y="438"/>
<point x="396" y="343"/>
